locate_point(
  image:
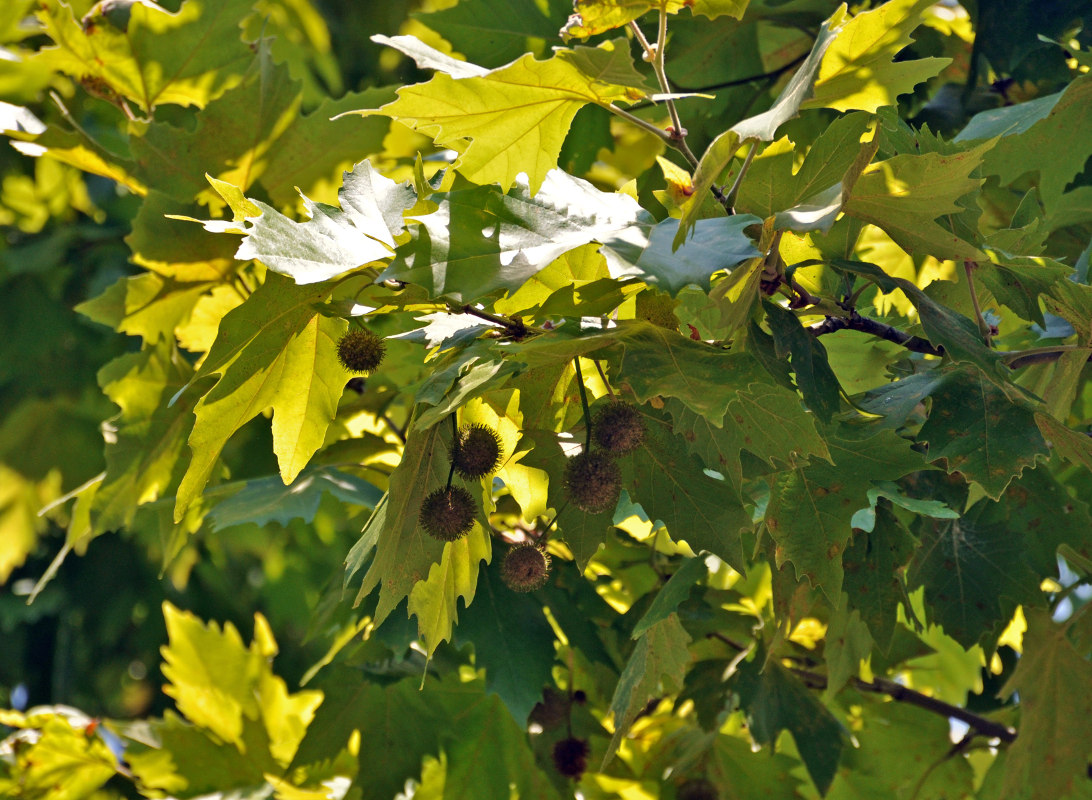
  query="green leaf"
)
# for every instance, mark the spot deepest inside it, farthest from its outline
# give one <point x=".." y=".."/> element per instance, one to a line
<point x="674" y="592"/>
<point x="1052" y="679"/>
<point x="149" y="434"/>
<point x="488" y="756"/>
<point x="333" y="240"/>
<point x="511" y="120"/>
<point x="980" y="432"/>
<point x="658" y="664"/>
<point x="494" y="32"/>
<point x="644" y="251"/>
<point x="269" y="500"/>
<point x="222" y="686"/>
<point x="512" y="641"/>
<point x="906" y="193"/>
<point x="1019" y="281"/>
<point x="811" y="507"/>
<point x="1073" y="303"/>
<point x="593" y="17"/>
<point x="848" y="642"/>
<point x="814" y="377"/>
<point x="1075" y="447"/>
<point x="763" y="127"/>
<point x="276" y="350"/>
<point x="740" y="776"/>
<point x="479" y="241"/>
<point x="901" y="749"/>
<point x="775" y="700"/>
<point x="1030" y="137"/>
<point x="403" y="722"/>
<point x="58" y="760"/>
<point x="659" y="362"/>
<point x="146" y="305"/>
<point x="230" y="145"/>
<point x="859" y="70"/>
<point x="174" y="757"/>
<point x="200" y="46"/>
<point x="434" y="600"/>
<point x="957" y="334"/>
<point x="974" y="573"/>
<point x="763" y="419"/>
<point x="398" y="722"/>
<point x="671" y="486"/>
<point x="873" y="574"/>
<point x="775" y="183"/>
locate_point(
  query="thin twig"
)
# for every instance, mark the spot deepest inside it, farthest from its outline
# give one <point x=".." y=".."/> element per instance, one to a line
<point x="903" y="694"/>
<point x="767" y="76"/>
<point x="584" y="403"/>
<point x="983" y="326"/>
<point x="401" y="434"/>
<point x="543" y="537"/>
<point x="729" y="200"/>
<point x="1037" y="355"/>
<point x="743" y="81"/>
<point x="603" y="375"/>
<point x="454" y="439"/>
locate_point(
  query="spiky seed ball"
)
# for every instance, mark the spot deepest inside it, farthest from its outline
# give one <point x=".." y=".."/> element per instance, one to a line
<point x="525" y="568"/>
<point x="571" y="757"/>
<point x="360" y="350"/>
<point x="594" y="481"/>
<point x="448" y="513"/>
<point x="618" y="427"/>
<point x="476" y="451"/>
<point x="698" y="789"/>
<point x="658" y="308"/>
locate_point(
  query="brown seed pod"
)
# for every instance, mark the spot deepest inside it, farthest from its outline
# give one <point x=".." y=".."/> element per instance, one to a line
<point x="476" y="451"/>
<point x="525" y="568"/>
<point x="571" y="757"/>
<point x="360" y="351"/>
<point x="618" y="427"/>
<point x="593" y="481"/>
<point x="448" y="514"/>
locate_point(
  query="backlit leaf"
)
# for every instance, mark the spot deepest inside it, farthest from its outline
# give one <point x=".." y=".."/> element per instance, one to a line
<point x="905" y="194"/>
<point x="859" y="70"/>
<point x="276" y="350"/>
<point x="511" y="120"/>
<point x="658" y="663"/>
<point x="333" y="240"/>
<point x="201" y="43"/>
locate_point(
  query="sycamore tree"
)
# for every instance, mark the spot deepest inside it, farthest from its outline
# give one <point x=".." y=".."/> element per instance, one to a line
<point x="643" y="399"/>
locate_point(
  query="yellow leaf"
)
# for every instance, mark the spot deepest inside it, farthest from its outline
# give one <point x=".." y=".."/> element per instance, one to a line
<point x="858" y="69"/>
<point x="511" y="120"/>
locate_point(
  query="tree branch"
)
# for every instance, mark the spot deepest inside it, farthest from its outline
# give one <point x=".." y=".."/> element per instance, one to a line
<point x="902" y="694"/>
<point x="513" y="326"/>
<point x="1014" y="359"/>
<point x="728" y="84"/>
<point x="855" y="322"/>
